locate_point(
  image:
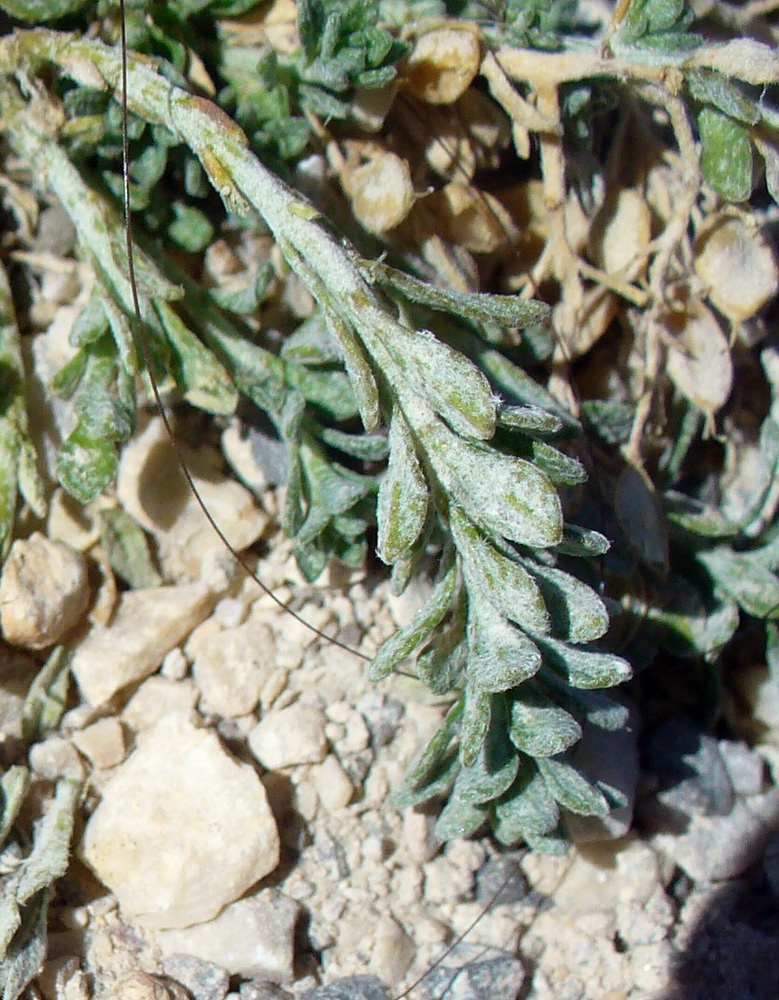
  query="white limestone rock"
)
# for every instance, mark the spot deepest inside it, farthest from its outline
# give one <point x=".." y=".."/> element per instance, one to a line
<point x="146" y="625"/>
<point x="231" y="667"/>
<point x="253" y="937"/>
<point x="183" y="829"/>
<point x="44" y="591"/>
<point x="156" y="698"/>
<point x="289" y="736"/>
<point x="102" y="743"/>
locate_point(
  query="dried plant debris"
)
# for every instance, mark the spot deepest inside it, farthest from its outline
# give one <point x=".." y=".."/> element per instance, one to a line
<point x="486" y="288"/>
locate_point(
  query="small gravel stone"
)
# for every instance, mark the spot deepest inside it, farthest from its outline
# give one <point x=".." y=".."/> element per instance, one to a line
<point x="182" y="830"/>
<point x="102" y="743"/>
<point x="501" y="881"/>
<point x="393" y="951"/>
<point x="253" y="937"/>
<point x="144" y="986"/>
<point x="745" y="767"/>
<point x="203" y="980"/>
<point x="471" y="972"/>
<point x="332" y="784"/>
<point x="231" y="667"/>
<point x="349" y="988"/>
<point x="44" y="591"/>
<point x="289" y="736"/>
<point x="146" y="625"/>
<point x="55" y="757"/>
<point x="156" y="698"/>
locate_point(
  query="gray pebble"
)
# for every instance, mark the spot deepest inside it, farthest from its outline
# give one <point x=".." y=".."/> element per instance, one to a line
<point x="692" y="776"/>
<point x="204" y="980"/>
<point x="350" y="988"/>
<point x="501" y="876"/>
<point x="472" y="972"/>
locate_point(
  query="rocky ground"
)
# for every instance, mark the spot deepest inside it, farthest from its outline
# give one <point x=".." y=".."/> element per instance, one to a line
<point x="257" y="749"/>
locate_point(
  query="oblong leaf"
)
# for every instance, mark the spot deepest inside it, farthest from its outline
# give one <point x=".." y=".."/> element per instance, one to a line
<point x="403" y="494"/>
<point x="403" y="643"/>
<point x="571" y="789"/>
<point x="577" y="613"/>
<point x="496" y="765"/>
<point x="475" y="724"/>
<point x="501" y="656"/>
<point x="583" y="668"/>
<point x="538" y="726"/>
<point x="527" y="809"/>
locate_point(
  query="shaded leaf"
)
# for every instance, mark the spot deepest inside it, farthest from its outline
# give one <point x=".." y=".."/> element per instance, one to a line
<point x="127" y="548"/>
<point x="538" y="727"/>
<point x="501" y="656"/>
<point x="571" y="789"/>
<point x="403" y="494"/>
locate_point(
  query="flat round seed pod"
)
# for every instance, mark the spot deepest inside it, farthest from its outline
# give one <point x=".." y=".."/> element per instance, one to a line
<point x="443" y="63"/>
<point x="737" y="265"/>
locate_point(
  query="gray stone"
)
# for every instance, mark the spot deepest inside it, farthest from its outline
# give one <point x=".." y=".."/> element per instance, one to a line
<point x="203" y="980"/>
<point x="745" y="766"/>
<point x="501" y="881"/>
<point x="691" y="773"/>
<point x="472" y="972"/>
<point x="349" y="988"/>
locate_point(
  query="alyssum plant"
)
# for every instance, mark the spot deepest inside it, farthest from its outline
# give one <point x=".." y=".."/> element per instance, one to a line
<point x="470" y="471"/>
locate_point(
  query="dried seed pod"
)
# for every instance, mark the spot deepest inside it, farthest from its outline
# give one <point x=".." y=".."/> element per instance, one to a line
<point x="737" y="265"/>
<point x="699" y="362"/>
<point x="621" y="233"/>
<point x="380" y="189"/>
<point x="471" y="218"/>
<point x="443" y="63"/>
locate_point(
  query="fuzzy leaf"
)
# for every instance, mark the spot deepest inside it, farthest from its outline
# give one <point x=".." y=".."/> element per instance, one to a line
<point x="538" y="727"/>
<point x="403" y="643"/>
<point x="530" y="420"/>
<point x="496" y="764"/>
<point x="506" y="495"/>
<point x="13" y="789"/>
<point x="726" y="155"/>
<point x="450" y="383"/>
<point x="367" y="447"/>
<point x="460" y="817"/>
<point x="85" y="466"/>
<point x="47" y="696"/>
<point x="127" y="548"/>
<point x="583" y="668"/>
<point x="429" y="761"/>
<point x="582" y="542"/>
<point x="527" y="809"/>
<point x="501" y="656"/>
<point x="711" y="87"/>
<point x="576" y="611"/>
<point x="362" y="379"/>
<point x="403" y="494"/>
<point x="571" y="789"/>
<point x="475" y="724"/>
<point x="503" y="581"/>
<point x="743" y="577"/>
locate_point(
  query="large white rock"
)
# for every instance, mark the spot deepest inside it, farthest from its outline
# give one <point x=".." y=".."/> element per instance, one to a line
<point x="146" y="625"/>
<point x="183" y="828"/>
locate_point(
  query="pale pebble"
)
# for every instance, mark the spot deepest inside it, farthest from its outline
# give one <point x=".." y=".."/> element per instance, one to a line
<point x="332" y="784"/>
<point x="144" y="986"/>
<point x="175" y="666"/>
<point x="55" y="757"/>
<point x="183" y="829"/>
<point x="102" y="743"/>
<point x="253" y="937"/>
<point x="44" y="591"/>
<point x="393" y="951"/>
<point x="146" y="625"/>
<point x="232" y="667"/>
<point x="158" y="697"/>
<point x="289" y="736"/>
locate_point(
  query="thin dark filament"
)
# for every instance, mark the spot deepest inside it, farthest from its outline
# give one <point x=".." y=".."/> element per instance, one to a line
<point x="142" y="343"/>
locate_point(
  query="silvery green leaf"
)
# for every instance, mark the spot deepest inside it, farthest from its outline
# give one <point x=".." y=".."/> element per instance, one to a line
<point x="331" y="391"/>
<point x="583" y="668"/>
<point x="507" y="310"/>
<point x="561" y="469"/>
<point x="44" y="865"/>
<point x="31" y="484"/>
<point x="46" y="698"/>
<point x="571" y="789"/>
<point x="475" y="724"/>
<point x="403" y="494"/>
<point x="601" y="710"/>
<point x="127" y="547"/>
<point x="502" y="656"/>
<point x="711" y="87"/>
<point x="555" y="843"/>
<point x="91" y="323"/>
<point x="429" y="760"/>
<point x="200" y="377"/>
<point x="85" y="465"/>
<point x="502" y="580"/>
<point x="745" y="578"/>
<point x="496" y="764"/>
<point x="694" y="619"/>
<point x="13" y="789"/>
<point x="539" y="727"/>
<point x="506" y="495"/>
<point x="25" y="953"/>
<point x="313" y="342"/>
<point x="443" y="663"/>
<point x="367" y="447"/>
<point x="437" y="785"/>
<point x="9" y="447"/>
<point x="459" y="817"/>
<point x="403" y="643"/>
<point x="530" y="420"/>
<point x="527" y="809"/>
<point x="576" y="611"/>
<point x="697" y="518"/>
<point x="330" y="489"/>
<point x="726" y="154"/>
<point x="363" y="381"/>
<point x="582" y="542"/>
<point x="451" y="384"/>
